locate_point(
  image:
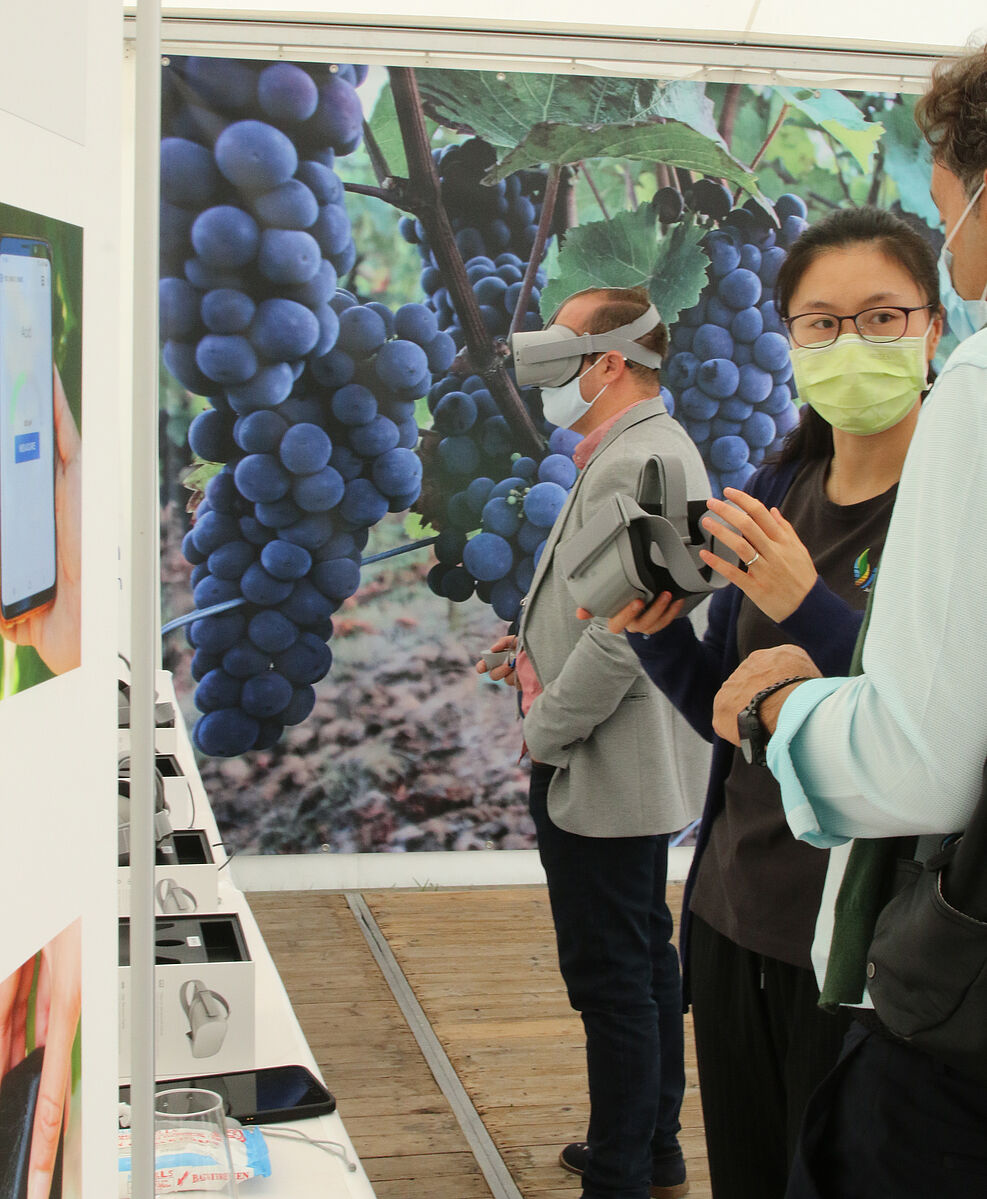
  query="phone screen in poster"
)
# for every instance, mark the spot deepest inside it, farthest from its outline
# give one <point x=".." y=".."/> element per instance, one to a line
<point x="27" y="501"/>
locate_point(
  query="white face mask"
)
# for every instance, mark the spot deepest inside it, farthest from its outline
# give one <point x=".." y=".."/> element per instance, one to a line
<point x="564" y="406"/>
<point x="965" y="316"/>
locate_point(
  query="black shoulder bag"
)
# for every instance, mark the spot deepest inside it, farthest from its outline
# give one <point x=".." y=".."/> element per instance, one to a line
<point x="927" y="963"/>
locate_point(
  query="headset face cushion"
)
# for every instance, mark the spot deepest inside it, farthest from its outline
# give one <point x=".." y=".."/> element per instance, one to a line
<point x="553" y="372"/>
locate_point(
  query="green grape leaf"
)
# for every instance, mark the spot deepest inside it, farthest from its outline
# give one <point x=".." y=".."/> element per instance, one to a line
<point x="503" y="109"/>
<point x="909" y="163"/>
<point x="839" y="116"/>
<point x="672" y="143"/>
<point x="384" y="126"/>
<point x="685" y="101"/>
<point x="679" y="273"/>
<point x="627" y="252"/>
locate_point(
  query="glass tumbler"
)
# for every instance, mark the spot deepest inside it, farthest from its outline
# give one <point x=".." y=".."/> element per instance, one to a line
<point x="190" y="1139"/>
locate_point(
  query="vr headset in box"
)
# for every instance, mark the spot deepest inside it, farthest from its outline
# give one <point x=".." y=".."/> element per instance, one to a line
<point x="635" y="548"/>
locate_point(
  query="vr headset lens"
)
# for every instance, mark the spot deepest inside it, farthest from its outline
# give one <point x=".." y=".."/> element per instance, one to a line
<point x="541" y="360"/>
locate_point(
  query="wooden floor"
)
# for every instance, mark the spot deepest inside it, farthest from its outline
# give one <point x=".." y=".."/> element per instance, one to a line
<point x="482" y="964"/>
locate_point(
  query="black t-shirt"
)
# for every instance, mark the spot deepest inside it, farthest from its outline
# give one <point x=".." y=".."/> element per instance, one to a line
<point x="756" y="884"/>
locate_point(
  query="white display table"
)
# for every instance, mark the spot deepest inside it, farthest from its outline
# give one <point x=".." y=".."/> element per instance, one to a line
<point x="299" y="1170"/>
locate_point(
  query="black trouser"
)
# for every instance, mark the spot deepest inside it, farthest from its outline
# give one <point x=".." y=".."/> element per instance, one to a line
<point x="892" y="1123"/>
<point x="763" y="1045"/>
<point x="613" y="930"/>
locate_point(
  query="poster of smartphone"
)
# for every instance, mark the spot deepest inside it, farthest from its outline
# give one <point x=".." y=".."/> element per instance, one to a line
<point x="27" y="441"/>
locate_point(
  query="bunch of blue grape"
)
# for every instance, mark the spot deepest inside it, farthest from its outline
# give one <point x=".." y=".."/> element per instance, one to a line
<point x="312" y="394"/>
<point x="729" y="368"/>
<point x="490" y="530"/>
<point x="284" y="522"/>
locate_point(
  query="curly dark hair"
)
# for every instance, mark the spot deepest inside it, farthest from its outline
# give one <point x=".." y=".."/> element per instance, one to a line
<point x="952" y="116"/>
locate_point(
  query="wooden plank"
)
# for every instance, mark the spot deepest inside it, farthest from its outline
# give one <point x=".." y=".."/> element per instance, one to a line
<point x="482" y="963"/>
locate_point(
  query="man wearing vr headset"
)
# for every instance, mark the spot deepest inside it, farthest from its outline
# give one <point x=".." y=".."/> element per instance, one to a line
<point x="615" y="769"/>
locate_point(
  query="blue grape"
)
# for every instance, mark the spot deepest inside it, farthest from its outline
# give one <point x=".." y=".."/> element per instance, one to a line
<point x="283" y="329"/>
<point x="266" y="694"/>
<point x="288" y="256"/>
<point x="225" y="733"/>
<point x="396" y="472"/>
<point x="319" y="492"/>
<point x="226" y="358"/>
<point x="759" y="430"/>
<point x="217" y="690"/>
<point x="557" y="468"/>
<point x="400" y="363"/>
<point x="374" y="438"/>
<point x="178" y="309"/>
<point x="261" y="477"/>
<point x="414" y="322"/>
<point x="337" y="578"/>
<point x="455" y="413"/>
<point x="262" y="588"/>
<point x="306" y="661"/>
<point x="363" y="504"/>
<point x="305" y="449"/>
<point x="225" y="310"/>
<point x="747" y="325"/>
<point x="718" y="378"/>
<point x="285" y="561"/>
<point x="771" y="352"/>
<point x="287" y="93"/>
<point x="189" y="177"/>
<point x="268" y="388"/>
<point x="255" y="156"/>
<point x="501" y="516"/>
<point x="543" y="503"/>
<point x="361" y="331"/>
<point x="299" y="707"/>
<point x="712" y="341"/>
<point x="488" y="557"/>
<point x="740" y="289"/>
<point x="259" y="432"/>
<point x="225" y="237"/>
<point x="728" y="453"/>
<point x="505" y="599"/>
<point x="755" y="384"/>
<point x="307" y="605"/>
<point x="230" y="560"/>
<point x="332" y="230"/>
<point x="209" y="436"/>
<point x="216" y="634"/>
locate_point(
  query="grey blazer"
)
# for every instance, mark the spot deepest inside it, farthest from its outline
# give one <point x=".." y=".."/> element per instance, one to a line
<point x="628" y="764"/>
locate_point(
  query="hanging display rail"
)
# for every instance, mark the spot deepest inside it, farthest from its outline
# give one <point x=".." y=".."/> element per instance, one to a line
<point x="714" y="59"/>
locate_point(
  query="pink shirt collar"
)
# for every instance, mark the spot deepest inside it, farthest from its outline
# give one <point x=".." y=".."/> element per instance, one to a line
<point x="585" y="449"/>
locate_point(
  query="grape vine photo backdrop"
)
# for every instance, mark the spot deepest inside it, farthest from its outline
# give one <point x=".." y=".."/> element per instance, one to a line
<point x="355" y="492"/>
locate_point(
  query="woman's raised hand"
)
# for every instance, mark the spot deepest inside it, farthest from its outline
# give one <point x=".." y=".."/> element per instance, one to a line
<point x="779" y="573"/>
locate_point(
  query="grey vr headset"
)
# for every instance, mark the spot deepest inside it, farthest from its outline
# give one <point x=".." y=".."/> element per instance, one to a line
<point x="551" y="356"/>
<point x="635" y="548"/>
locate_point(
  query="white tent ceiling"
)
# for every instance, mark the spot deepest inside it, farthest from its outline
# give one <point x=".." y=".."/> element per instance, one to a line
<point x="843" y="42"/>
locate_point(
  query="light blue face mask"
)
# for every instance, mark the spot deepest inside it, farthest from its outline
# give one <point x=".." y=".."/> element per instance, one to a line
<point x="966" y="317"/>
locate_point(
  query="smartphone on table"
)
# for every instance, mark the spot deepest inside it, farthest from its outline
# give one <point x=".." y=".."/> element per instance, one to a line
<point x="265" y="1096"/>
<point x="27" y="428"/>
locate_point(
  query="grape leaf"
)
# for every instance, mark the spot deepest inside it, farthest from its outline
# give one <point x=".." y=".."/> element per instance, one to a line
<point x="384" y="126"/>
<point x="627" y="252"/>
<point x="685" y="101"/>
<point x="840" y="117"/>
<point x="672" y="143"/>
<point x="678" y="275"/>
<point x="908" y="161"/>
<point x="502" y="107"/>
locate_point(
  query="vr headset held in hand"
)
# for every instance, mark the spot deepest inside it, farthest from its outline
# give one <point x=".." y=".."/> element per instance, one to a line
<point x="551" y="356"/>
<point x="635" y="548"/>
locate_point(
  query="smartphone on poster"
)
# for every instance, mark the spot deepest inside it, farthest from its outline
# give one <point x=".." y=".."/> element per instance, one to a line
<point x="27" y="428"/>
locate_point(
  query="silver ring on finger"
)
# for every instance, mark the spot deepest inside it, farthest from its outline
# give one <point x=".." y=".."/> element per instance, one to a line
<point x="751" y="561"/>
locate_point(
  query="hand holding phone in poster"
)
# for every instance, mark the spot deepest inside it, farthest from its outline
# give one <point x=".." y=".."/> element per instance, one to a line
<point x="55" y="631"/>
<point x="57" y="1008"/>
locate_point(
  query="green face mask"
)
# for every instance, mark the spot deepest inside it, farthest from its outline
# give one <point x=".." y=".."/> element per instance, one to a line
<point x="861" y="386"/>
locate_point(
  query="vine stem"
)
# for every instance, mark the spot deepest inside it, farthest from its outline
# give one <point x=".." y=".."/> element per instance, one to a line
<point x="541" y="237"/>
<point x="587" y="175"/>
<point x="378" y="162"/>
<point x="728" y="117"/>
<point x="764" y="145"/>
<point x="388" y="194"/>
<point x="426" y="199"/>
<point x="400" y="549"/>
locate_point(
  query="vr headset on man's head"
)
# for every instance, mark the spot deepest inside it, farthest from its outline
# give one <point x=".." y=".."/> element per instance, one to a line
<point x="551" y="356"/>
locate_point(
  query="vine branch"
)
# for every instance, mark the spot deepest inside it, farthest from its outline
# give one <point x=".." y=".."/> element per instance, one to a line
<point x="538" y="249"/>
<point x="728" y="117"/>
<point x="425" y="196"/>
<point x="587" y="175"/>
<point x="378" y="162"/>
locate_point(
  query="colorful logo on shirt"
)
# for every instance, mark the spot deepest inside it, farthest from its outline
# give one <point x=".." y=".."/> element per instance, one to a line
<point x="863" y="572"/>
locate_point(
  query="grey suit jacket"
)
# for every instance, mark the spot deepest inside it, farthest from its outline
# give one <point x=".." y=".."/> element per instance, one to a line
<point x="628" y="764"/>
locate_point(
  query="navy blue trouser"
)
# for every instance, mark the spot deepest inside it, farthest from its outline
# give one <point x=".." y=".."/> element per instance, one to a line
<point x="621" y="971"/>
<point x="892" y="1123"/>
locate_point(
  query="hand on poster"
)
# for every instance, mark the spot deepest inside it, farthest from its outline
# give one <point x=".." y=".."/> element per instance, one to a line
<point x="57" y="1010"/>
<point x="56" y="631"/>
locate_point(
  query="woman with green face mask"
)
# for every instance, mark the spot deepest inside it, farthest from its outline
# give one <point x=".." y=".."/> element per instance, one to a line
<point x="859" y="294"/>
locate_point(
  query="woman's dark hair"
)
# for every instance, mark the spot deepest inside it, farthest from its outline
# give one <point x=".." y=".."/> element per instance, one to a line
<point x="812" y="437"/>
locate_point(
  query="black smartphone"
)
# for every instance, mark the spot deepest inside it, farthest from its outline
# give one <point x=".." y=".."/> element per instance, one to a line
<point x="267" y="1096"/>
<point x="27" y="428"/>
<point x="18" y="1101"/>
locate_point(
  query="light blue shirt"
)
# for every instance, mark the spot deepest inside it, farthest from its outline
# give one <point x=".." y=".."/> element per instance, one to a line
<point x="899" y="750"/>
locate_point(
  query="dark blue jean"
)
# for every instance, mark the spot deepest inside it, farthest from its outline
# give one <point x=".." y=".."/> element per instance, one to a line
<point x="613" y="930"/>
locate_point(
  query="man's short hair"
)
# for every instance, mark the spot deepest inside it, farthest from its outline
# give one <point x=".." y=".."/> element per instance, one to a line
<point x="619" y="306"/>
<point x="952" y="116"/>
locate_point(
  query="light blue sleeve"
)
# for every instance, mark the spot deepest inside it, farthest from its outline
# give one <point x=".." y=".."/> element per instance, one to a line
<point x="899" y="750"/>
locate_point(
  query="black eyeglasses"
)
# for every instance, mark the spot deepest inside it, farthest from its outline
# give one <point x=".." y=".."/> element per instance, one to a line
<point x="816" y="330"/>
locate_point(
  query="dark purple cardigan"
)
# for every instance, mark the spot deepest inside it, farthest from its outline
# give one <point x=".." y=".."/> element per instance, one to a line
<point x="690" y="671"/>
